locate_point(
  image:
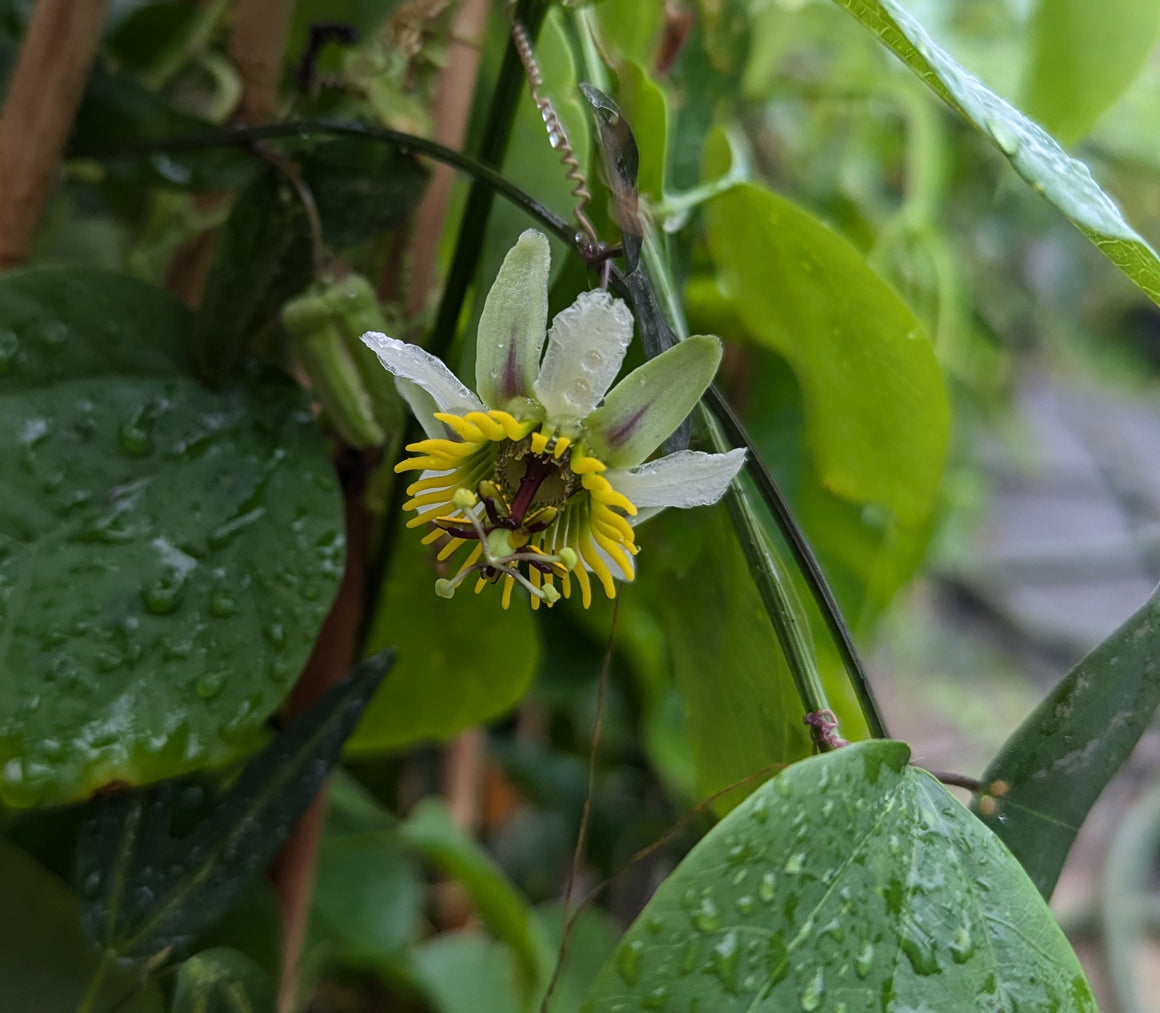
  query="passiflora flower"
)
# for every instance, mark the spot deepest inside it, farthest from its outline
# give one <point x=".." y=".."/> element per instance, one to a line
<point x="544" y="472"/>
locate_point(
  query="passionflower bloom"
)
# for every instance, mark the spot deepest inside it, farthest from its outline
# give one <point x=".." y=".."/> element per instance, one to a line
<point x="544" y="473"/>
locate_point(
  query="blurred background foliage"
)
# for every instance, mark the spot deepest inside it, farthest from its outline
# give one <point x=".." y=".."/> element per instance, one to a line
<point x="1011" y="528"/>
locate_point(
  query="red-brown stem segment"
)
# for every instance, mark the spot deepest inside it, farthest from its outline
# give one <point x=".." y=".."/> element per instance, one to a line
<point x="43" y="95"/>
<point x="292" y="871"/>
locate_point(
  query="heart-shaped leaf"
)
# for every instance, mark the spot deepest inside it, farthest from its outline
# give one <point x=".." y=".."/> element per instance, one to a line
<point x="849" y="881"/>
<point x="167" y="553"/>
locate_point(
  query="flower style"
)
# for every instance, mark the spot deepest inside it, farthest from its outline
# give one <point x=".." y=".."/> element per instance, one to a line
<point x="544" y="471"/>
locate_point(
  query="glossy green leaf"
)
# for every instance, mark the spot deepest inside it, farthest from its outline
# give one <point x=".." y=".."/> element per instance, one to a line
<point x="222" y="981"/>
<point x="850" y="881"/>
<point x="431" y="832"/>
<point x="1050" y="772"/>
<point x="742" y="710"/>
<point x="167" y="553"/>
<point x="147" y="890"/>
<point x="46" y="961"/>
<point x="1083" y="57"/>
<point x="1035" y="155"/>
<point x="875" y="405"/>
<point x="462" y="661"/>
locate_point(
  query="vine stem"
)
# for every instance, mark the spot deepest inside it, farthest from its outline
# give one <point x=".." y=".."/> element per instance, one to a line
<point x="96" y="983"/>
<point x="43" y="95"/>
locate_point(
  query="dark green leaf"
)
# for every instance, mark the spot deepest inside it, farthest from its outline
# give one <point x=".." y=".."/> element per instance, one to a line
<point x="804" y="291"/>
<point x="1083" y="57"/>
<point x="1055" y="765"/>
<point x="46" y="961"/>
<point x="361" y="187"/>
<point x="1064" y="181"/>
<point x="167" y="553"/>
<point x="432" y="832"/>
<point x="850" y="881"/>
<point x="222" y="981"/>
<point x="148" y="891"/>
<point x="463" y="661"/>
<point x="264" y="256"/>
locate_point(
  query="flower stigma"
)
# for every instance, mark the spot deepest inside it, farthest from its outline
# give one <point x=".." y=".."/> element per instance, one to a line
<point x="535" y="506"/>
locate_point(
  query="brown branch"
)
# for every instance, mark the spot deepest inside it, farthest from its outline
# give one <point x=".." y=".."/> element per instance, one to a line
<point x="258" y="50"/>
<point x="43" y="96"/>
<point x="450" y="112"/>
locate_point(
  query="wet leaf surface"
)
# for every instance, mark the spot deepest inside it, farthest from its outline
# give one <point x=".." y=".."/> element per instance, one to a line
<point x="850" y="881"/>
<point x="1065" y="181"/>
<point x="167" y="553"/>
<point x="147" y="890"/>
<point x="1050" y="772"/>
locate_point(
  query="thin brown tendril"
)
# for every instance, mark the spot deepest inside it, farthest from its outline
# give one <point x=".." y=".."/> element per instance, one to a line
<point x="557" y="135"/>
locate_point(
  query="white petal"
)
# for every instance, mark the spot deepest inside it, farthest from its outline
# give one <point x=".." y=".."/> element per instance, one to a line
<point x="586" y="346"/>
<point x="511" y="328"/>
<point x="688" y="478"/>
<point x="425" y="383"/>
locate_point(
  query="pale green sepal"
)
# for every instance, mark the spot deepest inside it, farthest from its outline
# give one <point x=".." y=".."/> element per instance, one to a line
<point x="648" y="404"/>
<point x="426" y="384"/>
<point x="513" y="322"/>
<point x="688" y="478"/>
<point x="586" y="347"/>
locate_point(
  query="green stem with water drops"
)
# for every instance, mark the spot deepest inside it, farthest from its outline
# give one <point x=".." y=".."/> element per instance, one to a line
<point x="96" y="983"/>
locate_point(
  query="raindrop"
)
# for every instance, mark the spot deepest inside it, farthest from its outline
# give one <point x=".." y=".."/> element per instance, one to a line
<point x="745" y="903"/>
<point x="865" y="959"/>
<point x="738" y="851"/>
<point x="592" y="359"/>
<point x="1004" y="135"/>
<point x="811" y="997"/>
<point x="920" y="952"/>
<point x="629" y="963"/>
<point x="962" y="946"/>
<point x="654" y="923"/>
<point x="688" y="957"/>
<point x="760" y="810"/>
<point x="656" y="999"/>
<point x="795" y="863"/>
<point x="135" y="436"/>
<point x="91" y="883"/>
<point x="210" y="685"/>
<point x="706" y="917"/>
<point x="222" y="605"/>
<point x="9" y="351"/>
<point x="163" y="596"/>
<point x="765" y="889"/>
<point x="578" y="392"/>
<point x="723" y="961"/>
